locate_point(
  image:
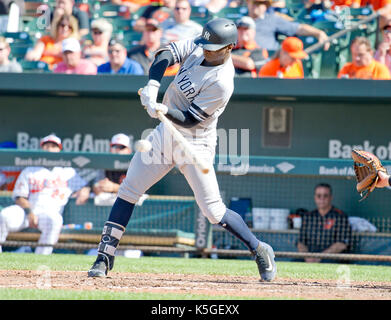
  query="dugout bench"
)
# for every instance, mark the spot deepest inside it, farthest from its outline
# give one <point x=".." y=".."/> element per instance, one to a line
<point x="169" y="221"/>
<point x="160" y="221"/>
<point x="366" y="243"/>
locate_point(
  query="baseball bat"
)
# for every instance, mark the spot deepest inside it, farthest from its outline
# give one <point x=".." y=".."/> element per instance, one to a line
<point x="183" y="143"/>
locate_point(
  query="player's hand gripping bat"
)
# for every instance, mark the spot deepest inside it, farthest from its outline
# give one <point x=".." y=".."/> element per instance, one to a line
<point x="183" y="143"/>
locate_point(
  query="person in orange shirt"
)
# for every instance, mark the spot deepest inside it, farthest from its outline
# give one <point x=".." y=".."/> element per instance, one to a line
<point x="363" y="65"/>
<point x="287" y="61"/>
<point x="49" y="47"/>
<point x="247" y="56"/>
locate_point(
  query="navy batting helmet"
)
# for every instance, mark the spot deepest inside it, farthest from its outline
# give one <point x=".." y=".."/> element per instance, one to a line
<point x="217" y="33"/>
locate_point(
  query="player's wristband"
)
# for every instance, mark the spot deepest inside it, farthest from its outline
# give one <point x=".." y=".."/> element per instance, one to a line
<point x="389" y="181"/>
<point x="27" y="211"/>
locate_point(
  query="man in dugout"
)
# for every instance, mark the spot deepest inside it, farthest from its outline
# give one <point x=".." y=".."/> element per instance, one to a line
<point x="325" y="229"/>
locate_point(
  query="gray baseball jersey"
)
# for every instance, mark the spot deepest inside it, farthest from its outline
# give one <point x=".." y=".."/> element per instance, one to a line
<point x="204" y="92"/>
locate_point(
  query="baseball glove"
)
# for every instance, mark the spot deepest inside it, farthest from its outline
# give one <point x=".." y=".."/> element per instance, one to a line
<point x="366" y="167"/>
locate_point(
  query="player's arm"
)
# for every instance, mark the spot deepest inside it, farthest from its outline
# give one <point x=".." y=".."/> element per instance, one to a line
<point x="162" y="61"/>
<point x="243" y="62"/>
<point x="82" y="195"/>
<point x="25" y="204"/>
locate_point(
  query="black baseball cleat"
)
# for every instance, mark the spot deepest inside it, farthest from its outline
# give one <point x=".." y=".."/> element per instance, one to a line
<point x="100" y="266"/>
<point x="264" y="257"/>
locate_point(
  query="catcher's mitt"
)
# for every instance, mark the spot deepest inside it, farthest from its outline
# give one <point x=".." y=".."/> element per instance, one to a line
<point x="366" y="166"/>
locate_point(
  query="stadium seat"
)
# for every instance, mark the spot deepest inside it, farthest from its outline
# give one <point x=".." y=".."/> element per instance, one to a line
<point x="31" y="27"/>
<point x="294" y="7"/>
<point x="138" y="13"/>
<point x="132" y="38"/>
<point x="368" y="30"/>
<point x="312" y="65"/>
<point x="201" y="20"/>
<point x="19" y="42"/>
<point x="359" y="13"/>
<point x="17" y="37"/>
<point x="199" y="12"/>
<point x="333" y="59"/>
<point x="304" y="16"/>
<point x="34" y="66"/>
<point x="232" y="13"/>
<point x="109" y="10"/>
<point x="120" y="24"/>
<point x="18" y="51"/>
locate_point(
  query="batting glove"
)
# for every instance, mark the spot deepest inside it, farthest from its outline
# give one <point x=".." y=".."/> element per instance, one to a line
<point x="149" y="93"/>
<point x="152" y="109"/>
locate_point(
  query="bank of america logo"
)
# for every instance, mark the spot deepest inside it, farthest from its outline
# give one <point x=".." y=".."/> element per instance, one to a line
<point x="81" y="161"/>
<point x="285" y="166"/>
<point x="206" y="35"/>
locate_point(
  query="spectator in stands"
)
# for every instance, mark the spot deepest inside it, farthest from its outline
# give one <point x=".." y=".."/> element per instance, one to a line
<point x="119" y="63"/>
<point x="110" y="180"/>
<point x="96" y="51"/>
<point x="151" y="39"/>
<point x="269" y="25"/>
<point x="69" y="8"/>
<point x="180" y="27"/>
<point x="132" y="5"/>
<point x="159" y="11"/>
<point x="7" y="65"/>
<point x="40" y="195"/>
<point x="247" y="56"/>
<point x="383" y="53"/>
<point x="363" y="65"/>
<point x="72" y="62"/>
<point x="287" y="60"/>
<point x="49" y="47"/>
<point x="325" y="229"/>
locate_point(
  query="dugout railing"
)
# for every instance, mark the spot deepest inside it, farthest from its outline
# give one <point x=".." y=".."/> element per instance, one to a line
<point x="169" y="219"/>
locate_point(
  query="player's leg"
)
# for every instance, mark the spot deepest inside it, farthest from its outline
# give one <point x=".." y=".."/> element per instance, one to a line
<point x="143" y="172"/>
<point x="50" y="226"/>
<point x="12" y="219"/>
<point x="207" y="194"/>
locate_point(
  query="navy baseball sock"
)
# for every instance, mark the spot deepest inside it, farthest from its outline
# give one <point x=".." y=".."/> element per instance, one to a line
<point x="121" y="212"/>
<point x="234" y="223"/>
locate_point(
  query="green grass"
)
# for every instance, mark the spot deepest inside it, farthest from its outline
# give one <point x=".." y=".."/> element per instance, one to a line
<point x="293" y="270"/>
<point x="73" y="262"/>
<point x="54" y="294"/>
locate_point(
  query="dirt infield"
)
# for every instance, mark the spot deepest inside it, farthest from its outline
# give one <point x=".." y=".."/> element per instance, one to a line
<point x="197" y="284"/>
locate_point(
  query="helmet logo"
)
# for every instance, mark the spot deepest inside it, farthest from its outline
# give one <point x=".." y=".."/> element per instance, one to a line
<point x="206" y="35"/>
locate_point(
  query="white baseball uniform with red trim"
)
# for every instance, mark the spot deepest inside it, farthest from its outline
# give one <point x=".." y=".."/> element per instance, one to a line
<point x="204" y="92"/>
<point x="48" y="191"/>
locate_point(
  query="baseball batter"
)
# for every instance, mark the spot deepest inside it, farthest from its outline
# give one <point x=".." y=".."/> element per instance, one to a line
<point x="193" y="102"/>
<point x="40" y="195"/>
